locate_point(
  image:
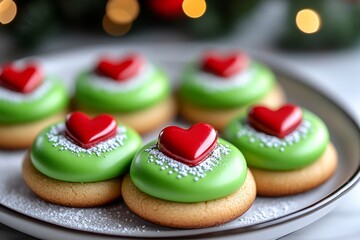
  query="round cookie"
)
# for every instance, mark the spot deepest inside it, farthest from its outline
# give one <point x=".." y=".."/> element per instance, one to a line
<point x="189" y="215"/>
<point x="79" y="163"/>
<point x="72" y="194"/>
<point x="288" y="150"/>
<point x="28" y="103"/>
<point x="131" y="89"/>
<point x="280" y="183"/>
<point x="189" y="179"/>
<point x="219" y="88"/>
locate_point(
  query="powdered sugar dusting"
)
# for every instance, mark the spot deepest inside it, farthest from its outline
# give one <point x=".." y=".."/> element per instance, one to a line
<point x="265" y="140"/>
<point x="182" y="170"/>
<point x="8" y="95"/>
<point x="100" y="82"/>
<point x="57" y="137"/>
<point x="211" y="82"/>
<point x="116" y="219"/>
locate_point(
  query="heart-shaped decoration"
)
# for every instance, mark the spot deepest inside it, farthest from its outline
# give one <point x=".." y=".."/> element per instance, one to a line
<point x="189" y="146"/>
<point x="225" y="66"/>
<point x="278" y="123"/>
<point x="87" y="132"/>
<point x="122" y="69"/>
<point x="23" y="80"/>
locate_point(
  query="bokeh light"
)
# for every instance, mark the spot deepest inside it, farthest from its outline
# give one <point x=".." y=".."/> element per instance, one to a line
<point x="115" y="29"/>
<point x="194" y="8"/>
<point x="7" y="11"/>
<point x="119" y="16"/>
<point x="308" y="21"/>
<point x="122" y="11"/>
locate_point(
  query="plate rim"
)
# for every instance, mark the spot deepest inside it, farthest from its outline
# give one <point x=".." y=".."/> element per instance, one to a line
<point x="277" y="65"/>
<point x="333" y="196"/>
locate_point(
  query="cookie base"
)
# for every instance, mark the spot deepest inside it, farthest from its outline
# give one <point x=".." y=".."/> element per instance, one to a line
<point x="17" y="136"/>
<point x="283" y="183"/>
<point x="145" y="120"/>
<point x="70" y="194"/>
<point x="219" y="118"/>
<point x="189" y="215"/>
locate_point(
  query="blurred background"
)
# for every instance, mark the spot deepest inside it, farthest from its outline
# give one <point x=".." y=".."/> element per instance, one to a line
<point x="321" y="39"/>
<point x="306" y="25"/>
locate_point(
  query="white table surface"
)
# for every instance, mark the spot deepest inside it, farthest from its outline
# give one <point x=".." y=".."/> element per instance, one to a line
<point x="338" y="73"/>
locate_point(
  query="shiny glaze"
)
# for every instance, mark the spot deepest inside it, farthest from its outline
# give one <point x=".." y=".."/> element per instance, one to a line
<point x="122" y="69"/>
<point x="293" y="156"/>
<point x="70" y="166"/>
<point x="261" y="83"/>
<point x="23" y="80"/>
<point x="154" y="89"/>
<point x="278" y="122"/>
<point x="54" y="100"/>
<point x="87" y="132"/>
<point x="225" y="178"/>
<point x="224" y="66"/>
<point x="190" y="146"/>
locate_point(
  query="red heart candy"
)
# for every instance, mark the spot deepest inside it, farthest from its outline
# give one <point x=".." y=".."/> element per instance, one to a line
<point x="21" y="80"/>
<point x="190" y="146"/>
<point x="121" y="70"/>
<point x="87" y="132"/>
<point x="278" y="123"/>
<point x="225" y="66"/>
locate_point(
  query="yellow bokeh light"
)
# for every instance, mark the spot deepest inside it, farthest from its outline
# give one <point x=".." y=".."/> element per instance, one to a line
<point x="194" y="8"/>
<point x="122" y="11"/>
<point x="308" y="21"/>
<point x="7" y="11"/>
<point x="115" y="29"/>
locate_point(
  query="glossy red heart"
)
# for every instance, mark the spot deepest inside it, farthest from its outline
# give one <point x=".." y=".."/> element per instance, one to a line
<point x="225" y="66"/>
<point x="278" y="123"/>
<point x="189" y="146"/>
<point x="23" y="80"/>
<point x="87" y="132"/>
<point x="122" y="69"/>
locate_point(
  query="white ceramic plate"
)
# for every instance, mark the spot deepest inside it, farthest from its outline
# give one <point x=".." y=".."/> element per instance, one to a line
<point x="268" y="218"/>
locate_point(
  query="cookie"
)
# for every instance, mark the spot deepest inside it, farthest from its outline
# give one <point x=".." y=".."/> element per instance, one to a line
<point x="190" y="215"/>
<point x="15" y="136"/>
<point x="189" y="178"/>
<point x="282" y="183"/>
<point x="29" y="102"/>
<point x="219" y="87"/>
<point x="80" y="162"/>
<point x="72" y="194"/>
<point x="288" y="149"/>
<point x="132" y="89"/>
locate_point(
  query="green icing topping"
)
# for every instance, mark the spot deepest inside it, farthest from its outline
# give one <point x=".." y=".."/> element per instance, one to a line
<point x="129" y="96"/>
<point x="49" y="98"/>
<point x="258" y="81"/>
<point x="57" y="157"/>
<point x="298" y="149"/>
<point x="218" y="176"/>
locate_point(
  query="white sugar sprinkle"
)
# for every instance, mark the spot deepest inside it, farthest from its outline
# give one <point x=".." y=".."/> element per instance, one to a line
<point x="8" y="95"/>
<point x="211" y="82"/>
<point x="101" y="82"/>
<point x="269" y="141"/>
<point x="57" y="137"/>
<point x="182" y="170"/>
